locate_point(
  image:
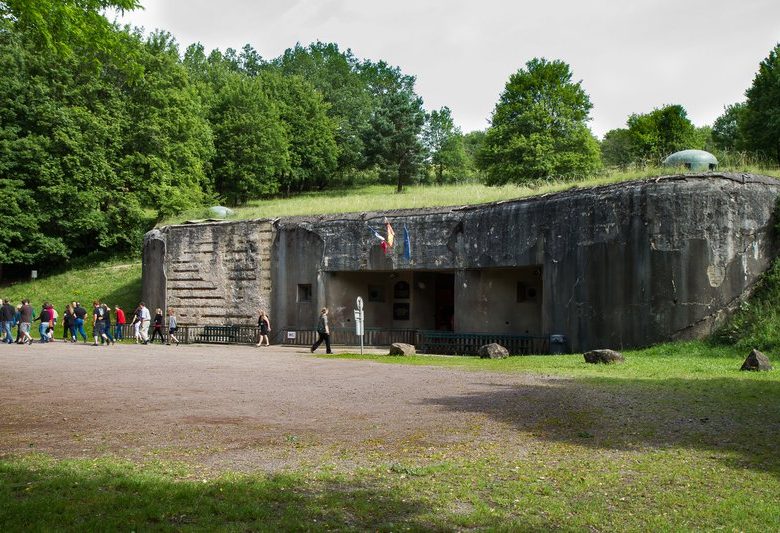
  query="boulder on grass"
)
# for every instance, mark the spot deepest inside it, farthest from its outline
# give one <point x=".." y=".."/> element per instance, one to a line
<point x="401" y="348"/>
<point x="756" y="361"/>
<point x="493" y="351"/>
<point x="605" y="357"/>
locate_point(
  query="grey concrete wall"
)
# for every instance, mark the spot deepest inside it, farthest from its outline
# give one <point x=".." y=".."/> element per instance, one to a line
<point x="153" y="280"/>
<point x="486" y="300"/>
<point x="622" y="265"/>
<point x="217" y="273"/>
<point x="296" y="258"/>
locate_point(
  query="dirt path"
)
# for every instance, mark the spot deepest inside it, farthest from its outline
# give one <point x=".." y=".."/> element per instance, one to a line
<point x="230" y="407"/>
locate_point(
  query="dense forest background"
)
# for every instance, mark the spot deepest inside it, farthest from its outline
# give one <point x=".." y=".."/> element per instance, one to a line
<point x="105" y="130"/>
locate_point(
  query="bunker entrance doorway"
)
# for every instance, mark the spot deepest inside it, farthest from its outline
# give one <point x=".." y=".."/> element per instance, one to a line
<point x="444" y="296"/>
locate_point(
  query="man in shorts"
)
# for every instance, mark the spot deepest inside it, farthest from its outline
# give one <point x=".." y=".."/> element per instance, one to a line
<point x="25" y="320"/>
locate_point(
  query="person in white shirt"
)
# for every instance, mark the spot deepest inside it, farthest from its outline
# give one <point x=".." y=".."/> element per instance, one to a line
<point x="146" y="317"/>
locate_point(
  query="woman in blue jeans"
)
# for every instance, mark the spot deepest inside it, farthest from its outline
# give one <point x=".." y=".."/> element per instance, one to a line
<point x="45" y="318"/>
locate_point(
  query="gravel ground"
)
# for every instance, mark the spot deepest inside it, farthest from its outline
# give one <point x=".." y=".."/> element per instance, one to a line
<point x="241" y="407"/>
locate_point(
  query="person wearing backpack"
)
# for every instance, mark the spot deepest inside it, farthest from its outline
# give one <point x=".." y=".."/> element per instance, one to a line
<point x="98" y="323"/>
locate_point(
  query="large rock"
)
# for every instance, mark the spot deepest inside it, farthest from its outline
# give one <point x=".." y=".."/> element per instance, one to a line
<point x="603" y="356"/>
<point x="401" y="348"/>
<point x="493" y="351"/>
<point x="756" y="361"/>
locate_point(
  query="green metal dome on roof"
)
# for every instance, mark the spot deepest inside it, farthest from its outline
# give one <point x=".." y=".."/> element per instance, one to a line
<point x="696" y="160"/>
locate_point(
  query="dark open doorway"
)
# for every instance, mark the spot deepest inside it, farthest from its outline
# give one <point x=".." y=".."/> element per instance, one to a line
<point x="445" y="301"/>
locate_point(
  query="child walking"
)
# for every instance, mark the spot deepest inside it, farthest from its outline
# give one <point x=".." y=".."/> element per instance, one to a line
<point x="172" y="327"/>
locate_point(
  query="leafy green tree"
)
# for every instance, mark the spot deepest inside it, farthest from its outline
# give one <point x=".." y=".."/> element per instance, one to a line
<point x="336" y="75"/>
<point x="66" y="25"/>
<point x="539" y="128"/>
<point x="168" y="140"/>
<point x="617" y="149"/>
<point x="703" y="140"/>
<point x="760" y="117"/>
<point x="726" y="131"/>
<point x="310" y="133"/>
<point x="661" y="132"/>
<point x="61" y="128"/>
<point x="444" y="144"/>
<point x="392" y="140"/>
<point x="250" y="140"/>
<point x="472" y="144"/>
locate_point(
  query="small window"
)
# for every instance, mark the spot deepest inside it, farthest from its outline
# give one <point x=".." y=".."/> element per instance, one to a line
<point x="376" y="293"/>
<point x="304" y="292"/>
<point x="401" y="290"/>
<point x="525" y="293"/>
<point x="712" y="166"/>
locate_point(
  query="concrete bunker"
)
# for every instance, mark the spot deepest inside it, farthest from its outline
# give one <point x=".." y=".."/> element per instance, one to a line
<point x="617" y="266"/>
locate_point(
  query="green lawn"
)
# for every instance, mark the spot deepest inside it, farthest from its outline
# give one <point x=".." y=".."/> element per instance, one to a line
<point x="112" y="282"/>
<point x="675" y="439"/>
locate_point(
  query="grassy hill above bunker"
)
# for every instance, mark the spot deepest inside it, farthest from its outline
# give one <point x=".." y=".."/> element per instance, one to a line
<point x="384" y="197"/>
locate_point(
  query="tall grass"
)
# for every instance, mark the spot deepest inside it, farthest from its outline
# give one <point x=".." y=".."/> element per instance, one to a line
<point x="756" y="324"/>
<point x="385" y="198"/>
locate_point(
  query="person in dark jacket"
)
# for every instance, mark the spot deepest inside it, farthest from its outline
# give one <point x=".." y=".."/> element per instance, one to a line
<point x="7" y="312"/>
<point x="45" y="318"/>
<point x="107" y="324"/>
<point x="80" y="314"/>
<point x="26" y="316"/>
<point x="158" y="324"/>
<point x="323" y="331"/>
<point x="68" y="330"/>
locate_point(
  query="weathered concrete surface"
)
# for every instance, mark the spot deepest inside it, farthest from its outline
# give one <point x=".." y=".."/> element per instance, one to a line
<point x="214" y="273"/>
<point x="623" y="265"/>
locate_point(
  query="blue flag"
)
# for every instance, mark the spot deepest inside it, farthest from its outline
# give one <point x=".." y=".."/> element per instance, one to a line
<point x="407" y="245"/>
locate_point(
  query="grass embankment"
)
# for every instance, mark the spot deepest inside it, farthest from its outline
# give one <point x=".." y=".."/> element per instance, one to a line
<point x="113" y="282"/>
<point x="384" y="197"/>
<point x="676" y="438"/>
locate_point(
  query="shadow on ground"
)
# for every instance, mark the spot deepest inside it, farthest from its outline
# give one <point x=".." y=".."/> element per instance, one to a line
<point x="37" y="493"/>
<point x="724" y="415"/>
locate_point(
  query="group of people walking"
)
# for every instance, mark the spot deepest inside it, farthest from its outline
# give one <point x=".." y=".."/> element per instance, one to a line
<point x="75" y="316"/>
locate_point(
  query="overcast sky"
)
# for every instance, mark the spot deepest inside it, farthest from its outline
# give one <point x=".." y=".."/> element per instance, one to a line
<point x="631" y="55"/>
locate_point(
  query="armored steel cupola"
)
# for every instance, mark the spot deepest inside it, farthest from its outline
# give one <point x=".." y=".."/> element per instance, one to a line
<point x="694" y="160"/>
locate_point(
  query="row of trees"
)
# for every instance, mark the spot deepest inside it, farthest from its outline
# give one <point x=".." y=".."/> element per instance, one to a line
<point x="104" y="130"/>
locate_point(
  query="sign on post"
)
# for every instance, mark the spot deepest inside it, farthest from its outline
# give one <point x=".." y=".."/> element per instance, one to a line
<point x="359" y="321"/>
